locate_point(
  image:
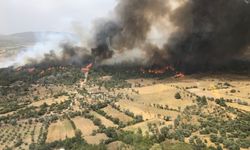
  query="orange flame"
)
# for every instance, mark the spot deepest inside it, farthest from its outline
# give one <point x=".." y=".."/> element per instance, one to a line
<point x="42" y="72"/>
<point x="19" y="69"/>
<point x="30" y="70"/>
<point x="179" y="75"/>
<point x="158" y="71"/>
<point x="162" y="71"/>
<point x="87" y="68"/>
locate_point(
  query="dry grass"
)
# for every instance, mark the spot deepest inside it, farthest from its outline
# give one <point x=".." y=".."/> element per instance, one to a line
<point x="60" y="130"/>
<point x="241" y="107"/>
<point x="50" y="101"/>
<point x="144" y="125"/>
<point x="154" y="89"/>
<point x="142" y="81"/>
<point x="118" y="145"/>
<point x="85" y="125"/>
<point x="209" y="88"/>
<point x="105" y="122"/>
<point x="161" y="94"/>
<point x="146" y="111"/>
<point x="116" y="114"/>
<point x="96" y="139"/>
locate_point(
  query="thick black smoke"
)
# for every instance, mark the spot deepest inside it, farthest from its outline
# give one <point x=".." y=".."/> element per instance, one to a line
<point x="130" y="28"/>
<point x="209" y="32"/>
<point x="204" y="34"/>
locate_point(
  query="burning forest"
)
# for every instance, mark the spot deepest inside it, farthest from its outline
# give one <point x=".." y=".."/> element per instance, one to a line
<point x="199" y="35"/>
<point x="190" y="35"/>
<point x="151" y="74"/>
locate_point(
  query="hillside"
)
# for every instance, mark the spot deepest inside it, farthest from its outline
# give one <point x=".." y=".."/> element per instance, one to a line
<point x="51" y="108"/>
<point x="26" y="38"/>
<point x="11" y="44"/>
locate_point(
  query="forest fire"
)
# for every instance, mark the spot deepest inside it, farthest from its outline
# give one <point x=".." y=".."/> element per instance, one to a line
<point x="163" y="70"/>
<point x="19" y="69"/>
<point x="179" y="75"/>
<point x="86" y="70"/>
<point x="158" y="70"/>
<point x="31" y="70"/>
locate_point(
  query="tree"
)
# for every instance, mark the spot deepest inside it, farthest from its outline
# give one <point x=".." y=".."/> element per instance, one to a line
<point x="221" y="102"/>
<point x="167" y="118"/>
<point x="202" y="101"/>
<point x="213" y="138"/>
<point x="219" y="147"/>
<point x="138" y="118"/>
<point x="78" y="133"/>
<point x="139" y="131"/>
<point x="177" y="95"/>
<point x="111" y="132"/>
<point x="233" y="91"/>
<point x="165" y="131"/>
<point x="176" y="122"/>
<point x="97" y="121"/>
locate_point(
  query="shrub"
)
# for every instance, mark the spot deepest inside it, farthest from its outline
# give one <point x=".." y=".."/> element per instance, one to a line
<point x="221" y="102"/>
<point x="177" y="95"/>
<point x="233" y="91"/>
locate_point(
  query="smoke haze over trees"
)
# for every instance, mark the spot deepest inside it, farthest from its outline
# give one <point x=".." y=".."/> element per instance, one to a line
<point x="189" y="34"/>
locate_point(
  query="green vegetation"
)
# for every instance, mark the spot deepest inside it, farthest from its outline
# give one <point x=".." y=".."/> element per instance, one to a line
<point x="75" y="143"/>
<point x="177" y="95"/>
<point x="221" y="102"/>
<point x="202" y="101"/>
<point x="31" y="102"/>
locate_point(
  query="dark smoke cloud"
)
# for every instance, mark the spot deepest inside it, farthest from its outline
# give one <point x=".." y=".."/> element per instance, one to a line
<point x="210" y="32"/>
<point x="130" y="28"/>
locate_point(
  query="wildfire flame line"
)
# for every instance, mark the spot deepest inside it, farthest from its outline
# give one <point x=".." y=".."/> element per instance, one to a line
<point x="86" y="70"/>
<point x="162" y="71"/>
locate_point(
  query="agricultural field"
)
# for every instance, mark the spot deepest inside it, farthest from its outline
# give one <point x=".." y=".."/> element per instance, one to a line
<point x="125" y="75"/>
<point x="96" y="139"/>
<point x="146" y="111"/>
<point x="161" y="94"/>
<point x="144" y="126"/>
<point x="116" y="111"/>
<point x="59" y="131"/>
<point x="86" y="126"/>
<point x="116" y="114"/>
<point x="107" y="123"/>
<point x="19" y="136"/>
<point x="49" y="101"/>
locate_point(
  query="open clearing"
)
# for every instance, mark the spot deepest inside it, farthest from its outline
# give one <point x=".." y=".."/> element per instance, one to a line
<point x="60" y="130"/>
<point x="241" y="107"/>
<point x="116" y="114"/>
<point x="144" y="125"/>
<point x="50" y="101"/>
<point x="96" y="139"/>
<point x="118" y="145"/>
<point x="146" y="111"/>
<point x="107" y="123"/>
<point x="85" y="125"/>
<point x="161" y="94"/>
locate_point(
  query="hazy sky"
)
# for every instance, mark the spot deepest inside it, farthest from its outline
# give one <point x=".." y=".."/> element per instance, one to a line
<point x="50" y="15"/>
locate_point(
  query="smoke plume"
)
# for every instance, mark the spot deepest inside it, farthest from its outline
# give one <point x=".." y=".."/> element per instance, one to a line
<point x="189" y="34"/>
<point x="209" y="33"/>
<point x="129" y="29"/>
<point x="198" y="33"/>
